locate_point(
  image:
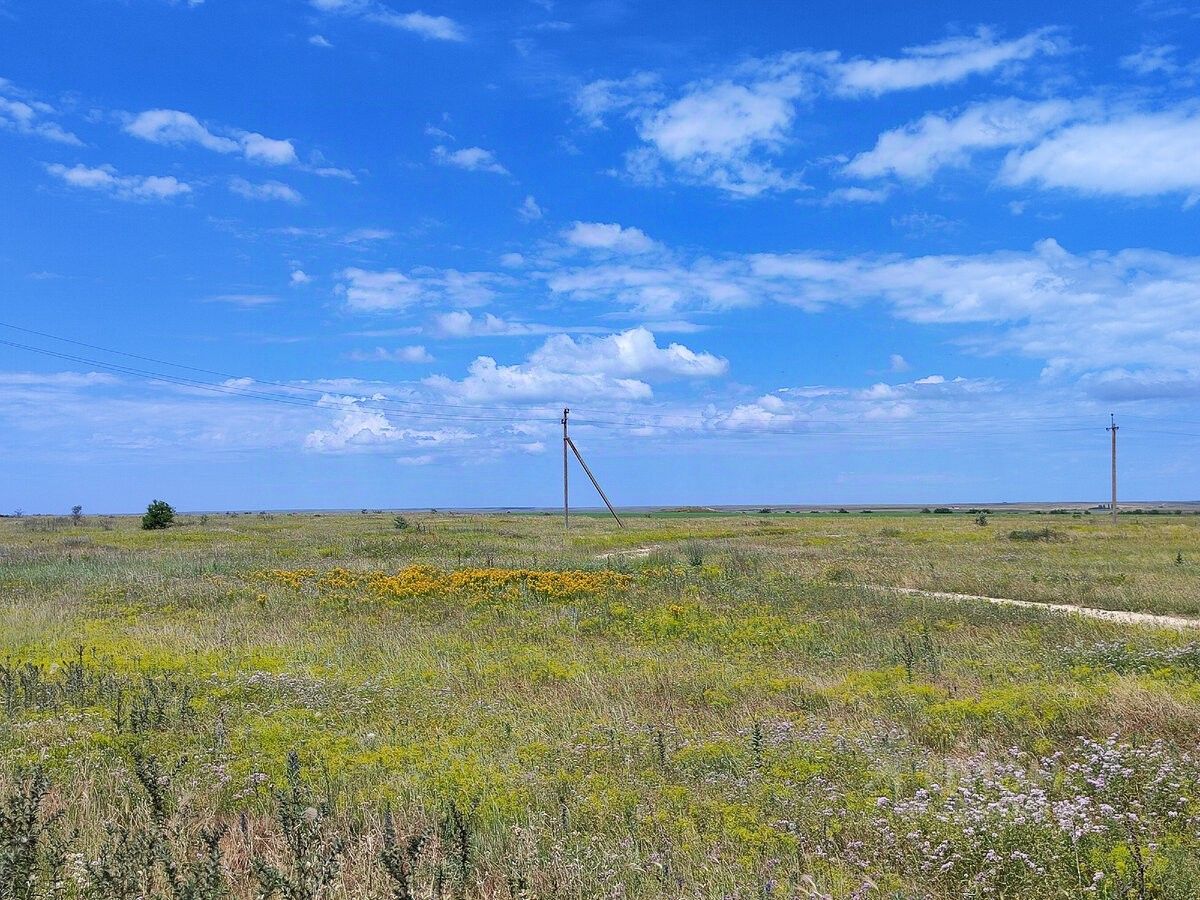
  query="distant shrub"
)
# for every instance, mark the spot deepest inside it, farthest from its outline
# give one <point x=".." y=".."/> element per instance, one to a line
<point x="926" y="510"/>
<point x="159" y="514"/>
<point x="843" y="510"/>
<point x="694" y="551"/>
<point x="981" y="520"/>
<point x="866" y="511"/>
<point x="1036" y="534"/>
<point x="400" y="523"/>
<point x="76" y="514"/>
<point x="943" y="510"/>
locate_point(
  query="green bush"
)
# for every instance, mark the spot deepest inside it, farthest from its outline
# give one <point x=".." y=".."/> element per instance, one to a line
<point x="159" y="514"/>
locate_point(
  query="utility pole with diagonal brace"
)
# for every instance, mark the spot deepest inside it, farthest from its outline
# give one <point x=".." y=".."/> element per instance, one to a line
<point x="569" y="444"/>
<point x="1113" y="427"/>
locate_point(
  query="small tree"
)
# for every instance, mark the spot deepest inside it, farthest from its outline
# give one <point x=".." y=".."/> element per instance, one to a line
<point x="159" y="514"/>
<point x="77" y="514"/>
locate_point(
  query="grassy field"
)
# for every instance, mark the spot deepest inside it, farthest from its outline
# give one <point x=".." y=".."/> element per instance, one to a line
<point x="696" y="706"/>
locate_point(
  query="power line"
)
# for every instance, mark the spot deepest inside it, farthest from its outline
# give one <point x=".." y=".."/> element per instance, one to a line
<point x="539" y="414"/>
<point x="640" y="419"/>
<point x="241" y="391"/>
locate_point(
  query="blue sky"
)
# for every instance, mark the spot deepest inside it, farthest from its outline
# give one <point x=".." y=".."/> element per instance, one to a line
<point x="844" y="252"/>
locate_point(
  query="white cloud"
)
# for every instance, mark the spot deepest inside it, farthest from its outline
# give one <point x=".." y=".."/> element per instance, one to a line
<point x="273" y="152"/>
<point x="268" y="190"/>
<point x="473" y="159"/>
<point x="532" y="447"/>
<point x="917" y="150"/>
<point x="898" y="363"/>
<point x="461" y="323"/>
<point x="427" y="26"/>
<point x="1154" y="59"/>
<point x="374" y="291"/>
<point x="1135" y="155"/>
<point x="940" y="63"/>
<point x="598" y="99"/>
<point x="721" y="133"/>
<point x="106" y="179"/>
<point x="378" y="291"/>
<point x="175" y="127"/>
<point x="858" y="194"/>
<point x="512" y="260"/>
<point x="564" y="369"/>
<point x="357" y="427"/>
<point x="487" y="381"/>
<point x="627" y="354"/>
<point x="614" y="237"/>
<point x="411" y="354"/>
<point x="299" y="276"/>
<point x="1076" y="312"/>
<point x="58" y="379"/>
<point x="439" y="28"/>
<point x="26" y="115"/>
<point x="529" y="210"/>
<point x="363" y="235"/>
<point x="318" y="40"/>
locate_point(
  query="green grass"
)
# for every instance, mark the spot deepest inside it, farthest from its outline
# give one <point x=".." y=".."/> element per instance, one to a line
<point x="740" y="716"/>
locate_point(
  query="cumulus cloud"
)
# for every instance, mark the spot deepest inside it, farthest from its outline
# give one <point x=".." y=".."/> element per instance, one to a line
<point x="106" y="179"/>
<point x="23" y="114"/>
<point x="173" y="126"/>
<point x="630" y="353"/>
<point x="723" y="133"/>
<point x="616" y="367"/>
<point x="614" y="237"/>
<point x="473" y="159"/>
<point x="488" y="381"/>
<point x="357" y="427"/>
<point x="728" y="131"/>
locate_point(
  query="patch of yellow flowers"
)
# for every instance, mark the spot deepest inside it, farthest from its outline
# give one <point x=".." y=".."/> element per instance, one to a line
<point x="427" y="581"/>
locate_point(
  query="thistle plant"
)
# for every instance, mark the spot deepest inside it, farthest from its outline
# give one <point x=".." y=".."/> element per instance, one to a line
<point x="314" y="850"/>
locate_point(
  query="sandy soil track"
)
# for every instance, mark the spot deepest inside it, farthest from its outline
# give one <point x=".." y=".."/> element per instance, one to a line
<point x="1109" y="615"/>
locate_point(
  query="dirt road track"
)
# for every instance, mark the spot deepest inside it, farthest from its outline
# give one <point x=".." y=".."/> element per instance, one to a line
<point x="1119" y="616"/>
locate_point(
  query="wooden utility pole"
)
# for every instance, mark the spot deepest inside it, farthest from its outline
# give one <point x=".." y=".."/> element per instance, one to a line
<point x="569" y="444"/>
<point x="566" y="502"/>
<point x="1113" y="427"/>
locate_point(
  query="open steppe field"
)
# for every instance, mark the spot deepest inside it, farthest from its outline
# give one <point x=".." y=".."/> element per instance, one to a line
<point x="306" y="706"/>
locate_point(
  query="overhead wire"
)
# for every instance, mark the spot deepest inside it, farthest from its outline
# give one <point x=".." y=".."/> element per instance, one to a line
<point x="512" y="415"/>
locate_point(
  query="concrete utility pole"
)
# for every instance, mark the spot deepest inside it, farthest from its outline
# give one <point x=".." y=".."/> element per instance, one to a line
<point x="569" y="444"/>
<point x="1113" y="427"/>
<point x="566" y="503"/>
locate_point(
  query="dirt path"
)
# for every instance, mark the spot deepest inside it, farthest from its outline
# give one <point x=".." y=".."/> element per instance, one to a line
<point x="1119" y="616"/>
<point x="635" y="552"/>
